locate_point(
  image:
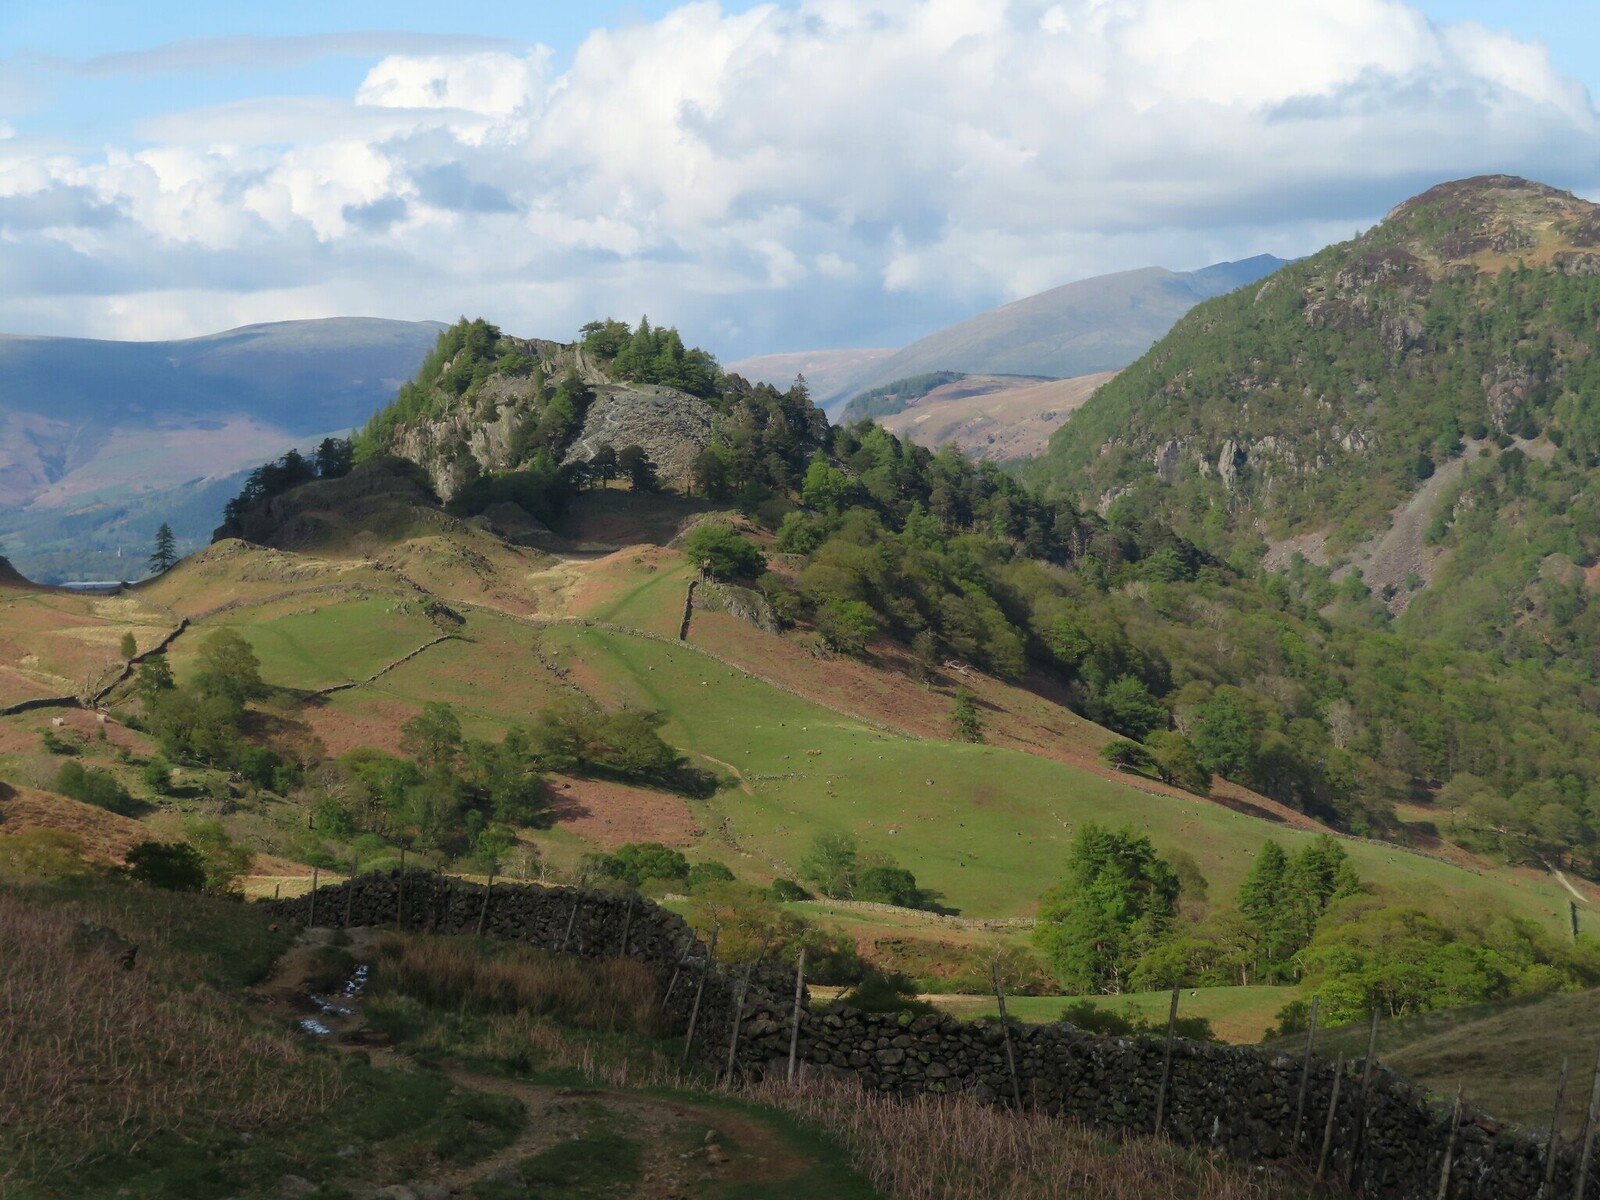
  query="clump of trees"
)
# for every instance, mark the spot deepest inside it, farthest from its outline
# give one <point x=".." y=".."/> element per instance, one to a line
<point x="723" y="553"/>
<point x="333" y="459"/>
<point x="1121" y="920"/>
<point x="203" y="720"/>
<point x="465" y="796"/>
<point x="646" y="355"/>
<point x="840" y="870"/>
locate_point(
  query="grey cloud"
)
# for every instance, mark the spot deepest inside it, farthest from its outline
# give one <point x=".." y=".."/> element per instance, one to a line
<point x="376" y="216"/>
<point x="450" y="187"/>
<point x="61" y="205"/>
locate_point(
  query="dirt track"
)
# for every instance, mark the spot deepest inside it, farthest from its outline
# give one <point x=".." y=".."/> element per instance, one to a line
<point x="683" y="1150"/>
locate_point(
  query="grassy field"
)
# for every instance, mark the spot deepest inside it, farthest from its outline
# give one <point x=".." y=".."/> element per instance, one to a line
<point x="1506" y="1057"/>
<point x="306" y="645"/>
<point x="59" y="643"/>
<point x="985" y="828"/>
<point x="644" y="591"/>
<point x="1237" y="1014"/>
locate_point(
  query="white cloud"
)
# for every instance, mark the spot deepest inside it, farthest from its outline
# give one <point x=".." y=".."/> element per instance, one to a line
<point x="497" y="85"/>
<point x="835" y="171"/>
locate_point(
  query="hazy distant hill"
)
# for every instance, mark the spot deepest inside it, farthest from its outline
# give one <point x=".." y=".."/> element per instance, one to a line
<point x="101" y="441"/>
<point x="828" y="372"/>
<point x="993" y="416"/>
<point x="1093" y="325"/>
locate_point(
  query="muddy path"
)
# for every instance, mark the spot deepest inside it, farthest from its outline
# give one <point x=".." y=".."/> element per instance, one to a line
<point x="688" y="1148"/>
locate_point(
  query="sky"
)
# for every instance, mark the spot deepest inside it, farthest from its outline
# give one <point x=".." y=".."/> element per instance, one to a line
<point x="767" y="177"/>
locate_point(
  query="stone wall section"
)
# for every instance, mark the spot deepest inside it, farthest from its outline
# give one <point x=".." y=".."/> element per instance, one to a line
<point x="1237" y="1100"/>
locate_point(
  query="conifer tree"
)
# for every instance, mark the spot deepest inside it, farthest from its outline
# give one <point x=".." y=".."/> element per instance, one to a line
<point x="165" y="555"/>
<point x="964" y="717"/>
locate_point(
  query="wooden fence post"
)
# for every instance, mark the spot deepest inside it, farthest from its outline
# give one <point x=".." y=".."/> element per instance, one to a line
<point x="1166" y="1062"/>
<point x="1005" y="1028"/>
<point x="1588" y="1135"/>
<point x="1305" y="1073"/>
<point x="1450" y="1147"/>
<point x="350" y="891"/>
<point x="400" y="893"/>
<point x="627" y="922"/>
<point x="738" y="1007"/>
<point x="311" y="917"/>
<point x="694" y="1011"/>
<point x="577" y="903"/>
<point x="1327" y="1128"/>
<point x="483" y="912"/>
<point x="1548" y="1183"/>
<point x="677" y="969"/>
<point x="1358" y="1142"/>
<point x="794" y="1025"/>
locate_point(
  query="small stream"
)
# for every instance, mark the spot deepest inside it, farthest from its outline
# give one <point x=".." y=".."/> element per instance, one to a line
<point x="338" y="1005"/>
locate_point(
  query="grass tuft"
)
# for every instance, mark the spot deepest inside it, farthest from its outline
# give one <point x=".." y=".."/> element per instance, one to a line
<point x="488" y="978"/>
<point x="953" y="1148"/>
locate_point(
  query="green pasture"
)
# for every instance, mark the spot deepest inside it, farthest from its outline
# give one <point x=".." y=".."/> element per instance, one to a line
<point x="490" y="672"/>
<point x="324" y="643"/>
<point x="654" y="603"/>
<point x="986" y="829"/>
<point x="1237" y="1014"/>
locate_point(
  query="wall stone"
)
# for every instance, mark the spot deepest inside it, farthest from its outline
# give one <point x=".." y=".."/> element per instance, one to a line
<point x="1239" y="1100"/>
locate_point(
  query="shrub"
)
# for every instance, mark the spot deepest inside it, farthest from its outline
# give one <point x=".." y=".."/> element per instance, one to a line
<point x="171" y="866"/>
<point x="94" y="785"/>
<point x="42" y="854"/>
<point x="703" y="874"/>
<point x="886" y="991"/>
<point x="1122" y="753"/>
<point x="888" y="885"/>
<point x="54" y="743"/>
<point x="786" y="891"/>
<point x="157" y="775"/>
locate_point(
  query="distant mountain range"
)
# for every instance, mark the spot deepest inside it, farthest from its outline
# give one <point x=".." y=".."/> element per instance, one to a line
<point x="1082" y="328"/>
<point x="101" y="441"/>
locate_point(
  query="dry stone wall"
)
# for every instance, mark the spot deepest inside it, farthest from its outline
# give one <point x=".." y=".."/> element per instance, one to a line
<point x="1388" y="1137"/>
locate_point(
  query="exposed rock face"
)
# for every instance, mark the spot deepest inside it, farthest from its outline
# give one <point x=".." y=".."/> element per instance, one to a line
<point x="748" y="605"/>
<point x="479" y="436"/>
<point x="1167" y="459"/>
<point x="1233" y="457"/>
<point x="672" y="426"/>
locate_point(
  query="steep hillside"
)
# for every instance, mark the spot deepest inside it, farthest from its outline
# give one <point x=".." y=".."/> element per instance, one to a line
<point x="356" y="646"/>
<point x="1321" y="399"/>
<point x="101" y="442"/>
<point x="1093" y="325"/>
